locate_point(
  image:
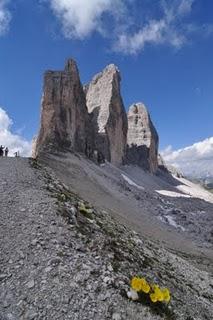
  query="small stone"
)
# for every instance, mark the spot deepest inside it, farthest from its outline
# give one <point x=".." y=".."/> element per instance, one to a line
<point x="48" y="269"/>
<point x="31" y="284"/>
<point x="110" y="268"/>
<point x="116" y="316"/>
<point x="133" y="295"/>
<point x="6" y="304"/>
<point x="21" y="254"/>
<point x="10" y="316"/>
<point x="31" y="315"/>
<point x="55" y="261"/>
<point x="104" y="297"/>
<point x="107" y="280"/>
<point x="3" y="276"/>
<point x="34" y="242"/>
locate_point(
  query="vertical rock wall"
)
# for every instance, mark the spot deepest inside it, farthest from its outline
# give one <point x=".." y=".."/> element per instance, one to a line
<point x="142" y="139"/>
<point x="108" y="116"/>
<point x="64" y="114"/>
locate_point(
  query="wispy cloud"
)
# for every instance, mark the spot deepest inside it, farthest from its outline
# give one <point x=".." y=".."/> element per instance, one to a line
<point x="13" y="141"/>
<point x="127" y="24"/>
<point x="169" y="29"/>
<point x="194" y="160"/>
<point x="5" y="17"/>
<point x="80" y="18"/>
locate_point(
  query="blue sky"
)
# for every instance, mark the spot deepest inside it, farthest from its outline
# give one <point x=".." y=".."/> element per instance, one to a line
<point x="163" y="49"/>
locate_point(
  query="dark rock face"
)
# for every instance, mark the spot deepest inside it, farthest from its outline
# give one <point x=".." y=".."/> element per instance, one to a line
<point x="64" y="117"/>
<point x="107" y="114"/>
<point x="142" y="139"/>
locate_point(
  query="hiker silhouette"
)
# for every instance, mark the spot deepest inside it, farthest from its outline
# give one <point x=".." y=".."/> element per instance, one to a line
<point x="6" y="151"/>
<point x="1" y="151"/>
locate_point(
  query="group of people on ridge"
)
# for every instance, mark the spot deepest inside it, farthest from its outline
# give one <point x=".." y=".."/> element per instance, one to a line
<point x="4" y="151"/>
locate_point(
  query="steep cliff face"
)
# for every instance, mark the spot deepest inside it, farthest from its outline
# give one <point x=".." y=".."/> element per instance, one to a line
<point x="64" y="114"/>
<point x="107" y="113"/>
<point x="93" y="120"/>
<point x="142" y="139"/>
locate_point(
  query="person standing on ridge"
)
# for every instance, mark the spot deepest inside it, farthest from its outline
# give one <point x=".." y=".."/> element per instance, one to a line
<point x="1" y="151"/>
<point x="6" y="152"/>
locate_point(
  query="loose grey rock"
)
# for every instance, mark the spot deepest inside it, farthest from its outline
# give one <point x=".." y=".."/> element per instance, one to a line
<point x="116" y="316"/>
<point x="31" y="284"/>
<point x="71" y="290"/>
<point x="3" y="276"/>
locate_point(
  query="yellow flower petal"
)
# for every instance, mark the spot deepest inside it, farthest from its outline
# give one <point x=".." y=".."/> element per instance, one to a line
<point x="146" y="288"/>
<point x="136" y="284"/>
<point x="166" y="295"/>
<point x="153" y="297"/>
<point x="160" y="296"/>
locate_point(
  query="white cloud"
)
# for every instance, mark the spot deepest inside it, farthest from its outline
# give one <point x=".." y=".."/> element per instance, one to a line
<point x="169" y="29"/>
<point x="13" y="141"/>
<point x="195" y="160"/>
<point x="81" y="17"/>
<point x="128" y="24"/>
<point x="5" y="16"/>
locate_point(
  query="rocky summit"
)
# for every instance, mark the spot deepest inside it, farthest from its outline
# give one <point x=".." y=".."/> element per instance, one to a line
<point x="109" y="120"/>
<point x="93" y="120"/>
<point x="64" y="112"/>
<point x="142" y="138"/>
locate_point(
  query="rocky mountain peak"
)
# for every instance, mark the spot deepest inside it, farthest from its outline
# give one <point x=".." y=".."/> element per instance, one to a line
<point x="93" y="120"/>
<point x="142" y="138"/>
<point x="64" y="112"/>
<point x="140" y="123"/>
<point x="71" y="67"/>
<point x="106" y="109"/>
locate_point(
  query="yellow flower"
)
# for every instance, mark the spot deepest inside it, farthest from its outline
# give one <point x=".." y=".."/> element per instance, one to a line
<point x="157" y="294"/>
<point x="136" y="284"/>
<point x="145" y="286"/>
<point x="166" y="295"/>
<point x="140" y="284"/>
<point x="154" y="287"/>
<point x="153" y="297"/>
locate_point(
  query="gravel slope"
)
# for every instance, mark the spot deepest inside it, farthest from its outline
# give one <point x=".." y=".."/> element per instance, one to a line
<point x="183" y="224"/>
<point x="57" y="263"/>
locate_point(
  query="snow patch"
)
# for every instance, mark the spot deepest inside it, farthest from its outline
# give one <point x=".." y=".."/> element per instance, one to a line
<point x="194" y="190"/>
<point x="132" y="183"/>
<point x="172" y="194"/>
<point x="189" y="190"/>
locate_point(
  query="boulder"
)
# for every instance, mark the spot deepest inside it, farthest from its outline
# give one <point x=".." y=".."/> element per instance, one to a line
<point x="107" y="114"/>
<point x="142" y="139"/>
<point x="64" y="118"/>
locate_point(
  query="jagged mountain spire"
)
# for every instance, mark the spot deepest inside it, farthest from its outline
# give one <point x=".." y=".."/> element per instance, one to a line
<point x="64" y="112"/>
<point x="142" y="138"/>
<point x="105" y="106"/>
